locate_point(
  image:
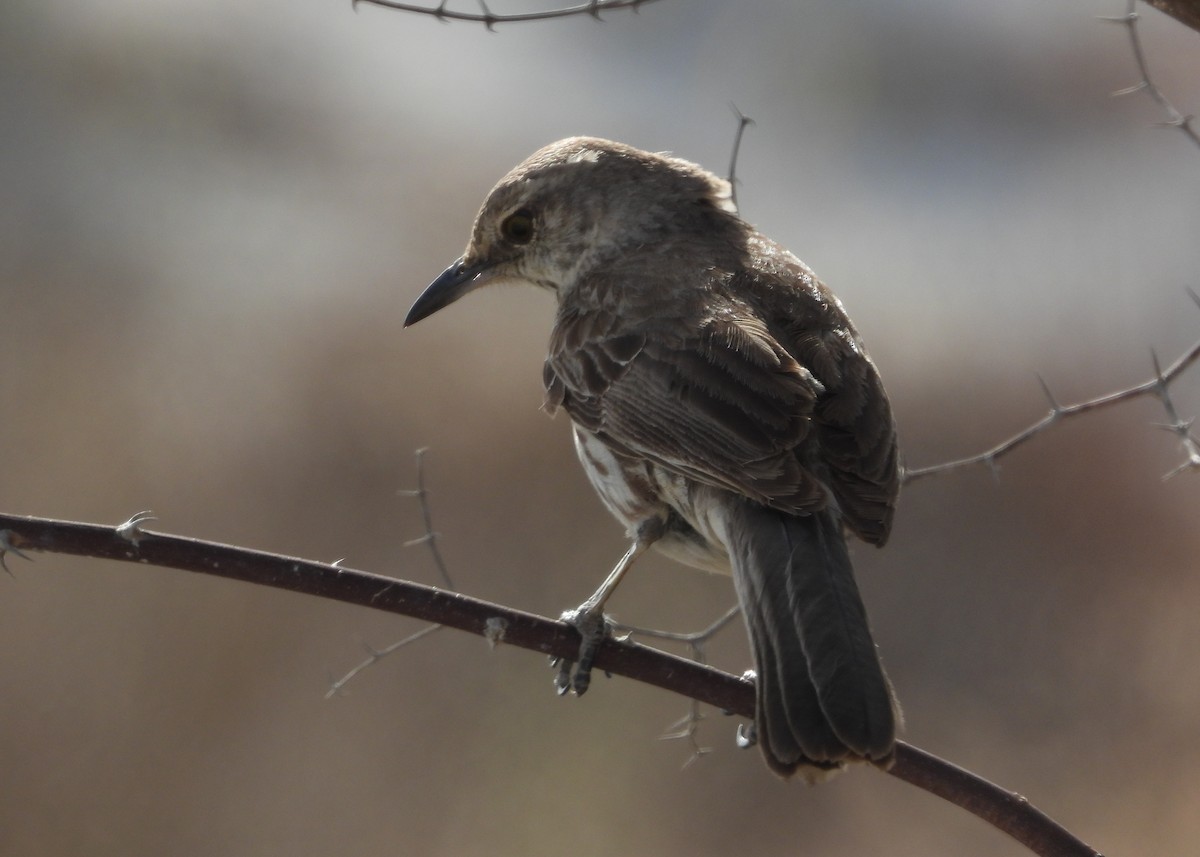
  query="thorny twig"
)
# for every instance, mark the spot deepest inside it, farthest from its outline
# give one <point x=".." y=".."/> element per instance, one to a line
<point x="1180" y="427"/>
<point x="686" y="727"/>
<point x="430" y="537"/>
<point x="1175" y="119"/>
<point x="1156" y="386"/>
<point x="489" y="19"/>
<point x="743" y="122"/>
<point x="338" y="685"/>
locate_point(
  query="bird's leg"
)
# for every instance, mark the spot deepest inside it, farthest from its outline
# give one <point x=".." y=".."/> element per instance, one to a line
<point x="589" y="619"/>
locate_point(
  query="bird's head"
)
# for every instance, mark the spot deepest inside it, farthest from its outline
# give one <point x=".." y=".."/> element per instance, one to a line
<point x="566" y="209"/>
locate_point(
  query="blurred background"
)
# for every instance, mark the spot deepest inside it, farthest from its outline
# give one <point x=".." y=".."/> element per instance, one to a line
<point x="213" y="217"/>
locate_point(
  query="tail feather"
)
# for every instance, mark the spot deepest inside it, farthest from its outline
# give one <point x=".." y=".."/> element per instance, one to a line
<point x="779" y="663"/>
<point x="823" y="697"/>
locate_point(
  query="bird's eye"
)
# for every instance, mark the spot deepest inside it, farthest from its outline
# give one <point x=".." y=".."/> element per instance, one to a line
<point x="517" y="228"/>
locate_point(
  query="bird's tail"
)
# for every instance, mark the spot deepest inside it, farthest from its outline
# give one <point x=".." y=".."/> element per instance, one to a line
<point x="823" y="697"/>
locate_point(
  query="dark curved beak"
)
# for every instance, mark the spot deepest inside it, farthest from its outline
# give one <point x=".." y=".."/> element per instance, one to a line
<point x="451" y="284"/>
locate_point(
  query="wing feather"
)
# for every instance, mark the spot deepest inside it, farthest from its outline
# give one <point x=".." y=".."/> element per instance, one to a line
<point x="772" y="396"/>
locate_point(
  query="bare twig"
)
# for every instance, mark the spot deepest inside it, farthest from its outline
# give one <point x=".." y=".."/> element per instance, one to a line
<point x="430" y="537"/>
<point x="1156" y="386"/>
<point x="695" y="640"/>
<point x="485" y="16"/>
<point x="1180" y="427"/>
<point x="1174" y="118"/>
<point x="1005" y="810"/>
<point x="373" y="655"/>
<point x="743" y="122"/>
<point x="687" y="727"/>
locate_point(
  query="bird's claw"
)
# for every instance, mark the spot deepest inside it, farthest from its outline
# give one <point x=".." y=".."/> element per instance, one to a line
<point x="7" y="545"/>
<point x="747" y="736"/>
<point x="594" y="628"/>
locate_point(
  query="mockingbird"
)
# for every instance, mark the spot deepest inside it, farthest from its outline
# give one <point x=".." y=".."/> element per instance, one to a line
<point x="723" y="407"/>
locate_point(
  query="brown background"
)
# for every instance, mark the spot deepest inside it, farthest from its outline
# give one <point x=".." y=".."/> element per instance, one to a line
<point x="213" y="217"/>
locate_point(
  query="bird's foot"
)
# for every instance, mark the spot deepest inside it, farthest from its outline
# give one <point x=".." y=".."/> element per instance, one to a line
<point x="594" y="628"/>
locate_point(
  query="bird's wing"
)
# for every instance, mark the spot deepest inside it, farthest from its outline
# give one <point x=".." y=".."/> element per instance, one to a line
<point x="720" y="401"/>
<point x="772" y="397"/>
<point x="853" y="427"/>
<point x="856" y="434"/>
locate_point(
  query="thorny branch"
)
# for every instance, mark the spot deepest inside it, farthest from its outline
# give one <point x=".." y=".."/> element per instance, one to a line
<point x="1005" y="810"/>
<point x="1175" y="119"/>
<point x="1158" y="386"/>
<point x="489" y="19"/>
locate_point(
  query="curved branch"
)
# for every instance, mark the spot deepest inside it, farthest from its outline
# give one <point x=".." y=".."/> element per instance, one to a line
<point x="1005" y="810"/>
<point x="1156" y="386"/>
<point x="486" y="17"/>
<point x="1174" y="118"/>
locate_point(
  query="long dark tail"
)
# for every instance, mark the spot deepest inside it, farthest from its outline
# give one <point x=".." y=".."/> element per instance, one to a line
<point x="823" y="698"/>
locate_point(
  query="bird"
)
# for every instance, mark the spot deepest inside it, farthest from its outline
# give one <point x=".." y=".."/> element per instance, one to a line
<point x="725" y="410"/>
